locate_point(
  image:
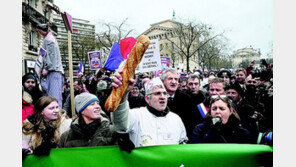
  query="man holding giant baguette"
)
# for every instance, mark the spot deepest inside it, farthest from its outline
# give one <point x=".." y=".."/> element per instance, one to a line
<point x="146" y="126"/>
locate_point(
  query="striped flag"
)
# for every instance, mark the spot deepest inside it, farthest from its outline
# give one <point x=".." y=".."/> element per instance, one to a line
<point x="203" y="109"/>
<point x="81" y="69"/>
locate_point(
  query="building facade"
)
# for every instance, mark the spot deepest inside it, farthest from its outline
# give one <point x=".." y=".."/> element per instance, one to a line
<point x="245" y="55"/>
<point x="164" y="29"/>
<point x="34" y="12"/>
<point x="81" y="29"/>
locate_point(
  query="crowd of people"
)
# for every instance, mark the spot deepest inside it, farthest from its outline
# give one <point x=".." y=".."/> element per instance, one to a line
<point x="224" y="106"/>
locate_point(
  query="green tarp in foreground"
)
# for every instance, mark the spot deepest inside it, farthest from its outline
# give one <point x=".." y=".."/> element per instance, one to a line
<point x="170" y="155"/>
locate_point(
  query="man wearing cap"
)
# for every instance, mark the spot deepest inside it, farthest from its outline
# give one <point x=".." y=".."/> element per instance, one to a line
<point x="246" y="112"/>
<point x="31" y="86"/>
<point x="152" y="125"/>
<point x="225" y="75"/>
<point x="91" y="127"/>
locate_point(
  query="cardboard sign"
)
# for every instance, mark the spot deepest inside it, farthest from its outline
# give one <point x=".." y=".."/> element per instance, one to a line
<point x="151" y="59"/>
<point x="165" y="63"/>
<point x="94" y="60"/>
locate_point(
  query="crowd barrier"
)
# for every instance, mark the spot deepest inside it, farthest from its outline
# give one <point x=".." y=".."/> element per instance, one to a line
<point x="187" y="155"/>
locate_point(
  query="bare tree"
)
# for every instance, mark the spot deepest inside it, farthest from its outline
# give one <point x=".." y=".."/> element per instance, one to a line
<point x="111" y="33"/>
<point x="186" y="43"/>
<point x="80" y="46"/>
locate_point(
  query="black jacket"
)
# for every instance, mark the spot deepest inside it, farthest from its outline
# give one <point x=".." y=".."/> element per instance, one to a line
<point x="231" y="132"/>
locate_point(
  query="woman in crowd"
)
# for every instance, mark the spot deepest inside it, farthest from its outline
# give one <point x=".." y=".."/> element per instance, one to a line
<point x="221" y="125"/>
<point x="42" y="129"/>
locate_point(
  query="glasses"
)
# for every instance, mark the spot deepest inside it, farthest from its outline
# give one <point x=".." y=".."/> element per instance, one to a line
<point x="159" y="93"/>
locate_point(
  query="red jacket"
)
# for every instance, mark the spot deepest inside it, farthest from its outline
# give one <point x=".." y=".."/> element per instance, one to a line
<point x="27" y="108"/>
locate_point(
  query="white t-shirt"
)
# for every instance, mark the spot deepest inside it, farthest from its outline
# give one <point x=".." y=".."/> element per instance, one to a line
<point x="146" y="129"/>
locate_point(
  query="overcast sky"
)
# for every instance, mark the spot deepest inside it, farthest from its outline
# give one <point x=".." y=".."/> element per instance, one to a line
<point x="247" y="22"/>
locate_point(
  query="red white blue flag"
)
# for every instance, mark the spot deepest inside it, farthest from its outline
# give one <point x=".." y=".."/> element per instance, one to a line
<point x="81" y="69"/>
<point x="119" y="53"/>
<point x="203" y="109"/>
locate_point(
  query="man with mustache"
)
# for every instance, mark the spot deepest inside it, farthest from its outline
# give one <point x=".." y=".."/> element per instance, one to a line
<point x="152" y="125"/>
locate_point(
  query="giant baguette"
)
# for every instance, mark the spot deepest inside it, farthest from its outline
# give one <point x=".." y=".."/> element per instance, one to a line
<point x="128" y="71"/>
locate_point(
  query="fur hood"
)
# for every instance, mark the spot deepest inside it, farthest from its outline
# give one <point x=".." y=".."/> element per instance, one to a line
<point x="27" y="97"/>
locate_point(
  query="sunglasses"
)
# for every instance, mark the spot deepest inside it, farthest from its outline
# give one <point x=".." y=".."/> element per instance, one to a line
<point x="214" y="97"/>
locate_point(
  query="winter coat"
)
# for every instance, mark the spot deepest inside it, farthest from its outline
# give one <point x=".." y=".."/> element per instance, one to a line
<point x="30" y="139"/>
<point x="97" y="133"/>
<point x="231" y="132"/>
<point x="193" y="117"/>
<point x="27" y="109"/>
<point x="52" y="61"/>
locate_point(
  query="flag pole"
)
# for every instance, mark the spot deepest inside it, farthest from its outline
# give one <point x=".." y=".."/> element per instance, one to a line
<point x="71" y="73"/>
<point x="67" y="18"/>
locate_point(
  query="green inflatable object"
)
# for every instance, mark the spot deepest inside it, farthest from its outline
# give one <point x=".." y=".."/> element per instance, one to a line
<point x="187" y="155"/>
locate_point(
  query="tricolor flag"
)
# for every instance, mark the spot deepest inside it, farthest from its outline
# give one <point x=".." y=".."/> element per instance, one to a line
<point x="119" y="53"/>
<point x="203" y="109"/>
<point x="81" y="69"/>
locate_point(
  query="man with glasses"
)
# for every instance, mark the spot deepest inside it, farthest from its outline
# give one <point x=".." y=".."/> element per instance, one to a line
<point x="152" y="125"/>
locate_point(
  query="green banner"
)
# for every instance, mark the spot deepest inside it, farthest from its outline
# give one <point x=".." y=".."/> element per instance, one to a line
<point x="224" y="155"/>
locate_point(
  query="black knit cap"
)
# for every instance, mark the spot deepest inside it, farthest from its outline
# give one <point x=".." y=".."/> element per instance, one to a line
<point x="236" y="87"/>
<point x="224" y="72"/>
<point x="28" y="76"/>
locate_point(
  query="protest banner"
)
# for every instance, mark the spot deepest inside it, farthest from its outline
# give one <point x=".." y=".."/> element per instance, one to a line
<point x="94" y="60"/>
<point x="151" y="58"/>
<point x="218" y="155"/>
<point x="165" y="63"/>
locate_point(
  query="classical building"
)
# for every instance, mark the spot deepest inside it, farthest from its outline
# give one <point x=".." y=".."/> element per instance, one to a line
<point x="246" y="55"/>
<point x="81" y="28"/>
<point x="34" y="12"/>
<point x="167" y="28"/>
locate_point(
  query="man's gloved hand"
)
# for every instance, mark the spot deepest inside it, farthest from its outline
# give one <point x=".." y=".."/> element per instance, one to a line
<point x="124" y="142"/>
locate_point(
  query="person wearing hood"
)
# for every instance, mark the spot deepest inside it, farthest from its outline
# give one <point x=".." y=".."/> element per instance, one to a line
<point x="31" y="86"/>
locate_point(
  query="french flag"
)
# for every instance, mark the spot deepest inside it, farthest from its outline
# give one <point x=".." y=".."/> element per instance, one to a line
<point x="119" y="53"/>
<point x="81" y="69"/>
<point x="203" y="109"/>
